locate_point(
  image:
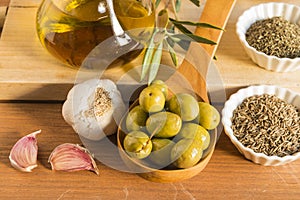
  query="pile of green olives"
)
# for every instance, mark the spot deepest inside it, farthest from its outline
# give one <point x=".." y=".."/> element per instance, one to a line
<point x="169" y="129"/>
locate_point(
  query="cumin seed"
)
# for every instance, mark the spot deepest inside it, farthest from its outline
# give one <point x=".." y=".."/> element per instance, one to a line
<point x="267" y="125"/>
<point x="276" y="37"/>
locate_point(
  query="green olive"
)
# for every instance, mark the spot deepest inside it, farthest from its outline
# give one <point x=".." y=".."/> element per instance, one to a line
<point x="164" y="124"/>
<point x="186" y="153"/>
<point x="161" y="152"/>
<point x="195" y="132"/>
<point x="136" y="119"/>
<point x="184" y="105"/>
<point x="137" y="144"/>
<point x="162" y="86"/>
<point x="152" y="99"/>
<point x="209" y="116"/>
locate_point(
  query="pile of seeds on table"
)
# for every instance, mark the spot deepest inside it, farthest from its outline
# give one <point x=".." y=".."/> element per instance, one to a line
<point x="275" y="36"/>
<point x="267" y="125"/>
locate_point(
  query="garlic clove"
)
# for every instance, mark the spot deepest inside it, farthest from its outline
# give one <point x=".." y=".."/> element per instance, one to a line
<point x="23" y="155"/>
<point x="72" y="157"/>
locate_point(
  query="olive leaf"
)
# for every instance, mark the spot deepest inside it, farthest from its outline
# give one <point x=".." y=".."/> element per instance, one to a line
<point x="153" y="54"/>
<point x="177" y="5"/>
<point x="157" y="2"/>
<point x="172" y="53"/>
<point x="182" y="28"/>
<point x="152" y="58"/>
<point x="155" y="63"/>
<point x="192" y="37"/>
<point x="198" y="24"/>
<point x="182" y="40"/>
<point x="196" y="2"/>
<point x="148" y="57"/>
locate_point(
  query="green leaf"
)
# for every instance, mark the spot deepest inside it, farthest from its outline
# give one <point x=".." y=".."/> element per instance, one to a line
<point x="172" y="53"/>
<point x="147" y="58"/>
<point x="182" y="28"/>
<point x="198" y="24"/>
<point x="147" y="62"/>
<point x="172" y="29"/>
<point x="157" y="2"/>
<point x="177" y="5"/>
<point x="155" y="63"/>
<point x="193" y="38"/>
<point x="196" y="2"/>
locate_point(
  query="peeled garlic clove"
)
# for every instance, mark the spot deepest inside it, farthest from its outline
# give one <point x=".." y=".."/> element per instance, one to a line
<point x="23" y="155"/>
<point x="72" y="157"/>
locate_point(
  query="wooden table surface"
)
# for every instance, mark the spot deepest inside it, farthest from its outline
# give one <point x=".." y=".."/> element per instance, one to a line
<point x="227" y="176"/>
<point x="4" y="2"/>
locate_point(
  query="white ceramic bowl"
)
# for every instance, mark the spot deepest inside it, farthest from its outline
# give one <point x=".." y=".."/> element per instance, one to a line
<point x="264" y="11"/>
<point x="236" y="99"/>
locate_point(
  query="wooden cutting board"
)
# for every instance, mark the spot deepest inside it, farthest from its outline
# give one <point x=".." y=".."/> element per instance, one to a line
<point x="29" y="72"/>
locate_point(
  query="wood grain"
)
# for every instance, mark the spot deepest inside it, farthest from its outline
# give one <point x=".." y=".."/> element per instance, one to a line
<point x="220" y="8"/>
<point x="27" y="70"/>
<point x="4" y="3"/>
<point x="3" y="10"/>
<point x="227" y="175"/>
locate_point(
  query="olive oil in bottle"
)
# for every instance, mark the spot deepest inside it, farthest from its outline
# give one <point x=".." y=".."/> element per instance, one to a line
<point x="70" y="29"/>
<point x="137" y="17"/>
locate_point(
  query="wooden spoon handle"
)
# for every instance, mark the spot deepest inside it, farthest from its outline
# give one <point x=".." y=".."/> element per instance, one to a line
<point x="216" y="12"/>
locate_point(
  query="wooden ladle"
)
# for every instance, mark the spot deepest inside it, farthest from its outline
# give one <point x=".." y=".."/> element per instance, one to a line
<point x="216" y="12"/>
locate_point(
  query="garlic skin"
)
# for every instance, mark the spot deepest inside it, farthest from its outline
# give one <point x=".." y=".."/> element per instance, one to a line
<point x="23" y="155"/>
<point x="78" y="109"/>
<point x="72" y="157"/>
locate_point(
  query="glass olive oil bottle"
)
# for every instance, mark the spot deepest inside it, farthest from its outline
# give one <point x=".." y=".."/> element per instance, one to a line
<point x="70" y="29"/>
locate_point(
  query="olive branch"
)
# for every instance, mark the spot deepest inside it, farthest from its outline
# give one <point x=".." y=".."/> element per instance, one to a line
<point x="168" y="33"/>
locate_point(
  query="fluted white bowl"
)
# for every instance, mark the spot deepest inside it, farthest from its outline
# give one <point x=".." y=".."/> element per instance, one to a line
<point x="236" y="99"/>
<point x="264" y="11"/>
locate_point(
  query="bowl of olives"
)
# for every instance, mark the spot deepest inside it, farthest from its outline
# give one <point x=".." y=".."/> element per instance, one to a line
<point x="166" y="136"/>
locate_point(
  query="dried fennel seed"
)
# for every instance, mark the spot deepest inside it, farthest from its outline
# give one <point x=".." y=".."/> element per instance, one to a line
<point x="101" y="104"/>
<point x="267" y="125"/>
<point x="275" y="36"/>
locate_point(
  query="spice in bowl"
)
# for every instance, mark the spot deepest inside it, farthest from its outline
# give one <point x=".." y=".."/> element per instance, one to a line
<point x="275" y="37"/>
<point x="266" y="124"/>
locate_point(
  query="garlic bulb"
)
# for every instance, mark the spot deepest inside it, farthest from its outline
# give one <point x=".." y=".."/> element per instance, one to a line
<point x="72" y="157"/>
<point x="23" y="155"/>
<point x="94" y="108"/>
